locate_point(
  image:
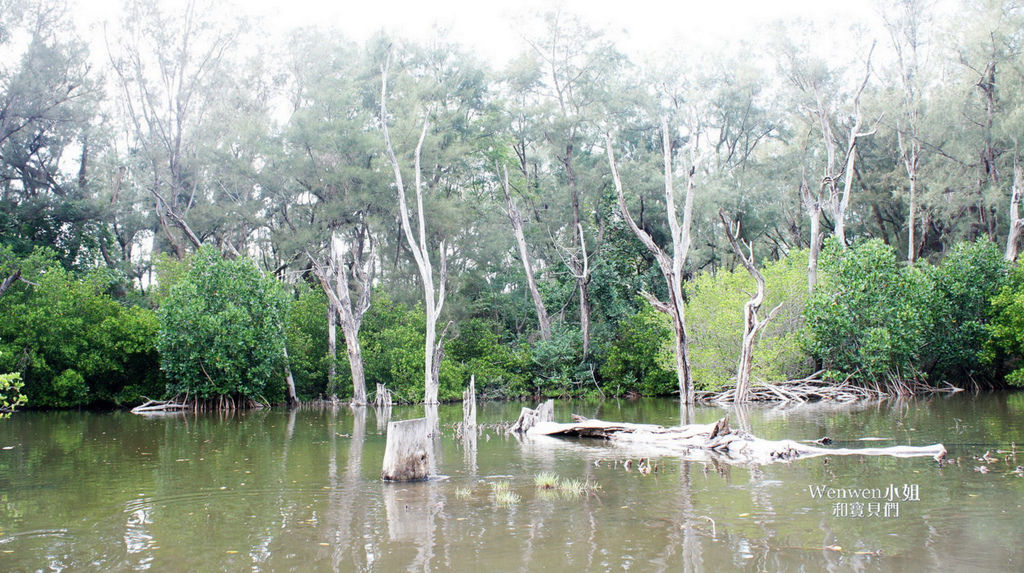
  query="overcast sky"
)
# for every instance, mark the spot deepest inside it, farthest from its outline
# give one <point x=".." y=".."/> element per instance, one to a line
<point x="491" y="28"/>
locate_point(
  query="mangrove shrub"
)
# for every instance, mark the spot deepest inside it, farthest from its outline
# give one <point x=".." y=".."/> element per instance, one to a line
<point x="221" y="330"/>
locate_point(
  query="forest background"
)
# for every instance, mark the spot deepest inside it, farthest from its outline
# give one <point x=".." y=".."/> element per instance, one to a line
<point x="208" y="215"/>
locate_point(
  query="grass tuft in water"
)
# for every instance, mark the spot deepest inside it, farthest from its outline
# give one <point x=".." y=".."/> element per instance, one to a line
<point x="577" y="488"/>
<point x="463" y="493"/>
<point x="503" y="494"/>
<point x="546" y="480"/>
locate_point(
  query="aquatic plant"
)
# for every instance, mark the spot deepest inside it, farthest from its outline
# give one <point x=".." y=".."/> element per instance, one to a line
<point x="546" y="480"/>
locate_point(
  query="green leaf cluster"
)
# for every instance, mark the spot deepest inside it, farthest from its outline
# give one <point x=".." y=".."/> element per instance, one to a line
<point x="868" y="317"/>
<point x="1007" y="327"/>
<point x="221" y="330"/>
<point x="714" y="314"/>
<point x="872" y="317"/>
<point x="71" y="342"/>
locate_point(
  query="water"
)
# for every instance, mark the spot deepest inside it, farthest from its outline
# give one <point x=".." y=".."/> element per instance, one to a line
<point x="300" y="491"/>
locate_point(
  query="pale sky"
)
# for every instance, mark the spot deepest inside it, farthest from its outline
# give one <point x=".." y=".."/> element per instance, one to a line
<point x="491" y="29"/>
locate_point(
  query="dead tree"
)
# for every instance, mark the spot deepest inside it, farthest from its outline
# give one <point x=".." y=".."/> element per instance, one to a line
<point x="671" y="266"/>
<point x="543" y="320"/>
<point x="842" y="203"/>
<point x="433" y="298"/>
<point x="752" y="325"/>
<point x="338" y="285"/>
<point x="1016" y="222"/>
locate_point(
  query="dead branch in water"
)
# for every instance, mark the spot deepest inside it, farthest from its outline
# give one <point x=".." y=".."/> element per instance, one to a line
<point x="718" y="439"/>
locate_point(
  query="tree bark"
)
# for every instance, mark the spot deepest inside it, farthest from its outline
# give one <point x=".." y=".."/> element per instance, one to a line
<point x="335" y="281"/>
<point x="839" y="210"/>
<point x="714" y="441"/>
<point x="812" y="205"/>
<point x="332" y="350"/>
<point x="671" y="267"/>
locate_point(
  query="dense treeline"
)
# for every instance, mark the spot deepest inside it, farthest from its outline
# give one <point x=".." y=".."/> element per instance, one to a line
<point x="202" y="217"/>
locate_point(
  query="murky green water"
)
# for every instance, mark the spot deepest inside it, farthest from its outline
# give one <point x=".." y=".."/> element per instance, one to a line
<point x="300" y="491"/>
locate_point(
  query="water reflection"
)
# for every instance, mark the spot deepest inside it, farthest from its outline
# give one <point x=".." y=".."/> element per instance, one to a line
<point x="300" y="491"/>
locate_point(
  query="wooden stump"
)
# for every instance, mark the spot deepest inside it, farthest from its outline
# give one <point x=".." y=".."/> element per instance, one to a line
<point x="407" y="453"/>
<point x="529" y="417"/>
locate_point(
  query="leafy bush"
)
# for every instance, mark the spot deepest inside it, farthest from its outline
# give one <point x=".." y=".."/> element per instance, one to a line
<point x="640" y="360"/>
<point x="306" y="332"/>
<point x="964" y="284"/>
<point x="1007" y="328"/>
<point x="477" y="350"/>
<point x="10" y="393"/>
<point x="714" y="316"/>
<point x="869" y="316"/>
<point x="221" y="330"/>
<point x="72" y="344"/>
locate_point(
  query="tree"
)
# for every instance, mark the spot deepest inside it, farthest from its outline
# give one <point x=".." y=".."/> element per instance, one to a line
<point x="220" y="331"/>
<point x="752" y="325"/>
<point x="433" y="297"/>
<point x="171" y="69"/>
<point x="48" y="100"/>
<point x="671" y="266"/>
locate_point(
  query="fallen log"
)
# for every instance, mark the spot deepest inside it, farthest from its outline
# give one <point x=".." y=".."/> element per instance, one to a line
<point x="154" y="406"/>
<point x="718" y="440"/>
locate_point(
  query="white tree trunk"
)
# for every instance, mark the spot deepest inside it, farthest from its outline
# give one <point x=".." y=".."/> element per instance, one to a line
<point x="433" y="299"/>
<point x="334" y="279"/>
<point x="1016" y="223"/>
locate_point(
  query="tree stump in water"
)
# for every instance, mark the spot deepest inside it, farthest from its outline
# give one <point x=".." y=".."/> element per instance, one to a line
<point x="469" y="405"/>
<point x="529" y="417"/>
<point x="407" y="453"/>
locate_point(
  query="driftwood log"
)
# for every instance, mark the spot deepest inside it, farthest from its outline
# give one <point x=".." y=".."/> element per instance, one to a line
<point x="407" y="452"/>
<point x="716" y="440"/>
<point x="159" y="406"/>
<point x="528" y="417"/>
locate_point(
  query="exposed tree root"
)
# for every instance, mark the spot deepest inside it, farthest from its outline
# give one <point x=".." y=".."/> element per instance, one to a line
<point x="813" y="388"/>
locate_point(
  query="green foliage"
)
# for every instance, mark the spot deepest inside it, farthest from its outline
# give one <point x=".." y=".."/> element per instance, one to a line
<point x="73" y="344"/>
<point x="1007" y="327"/>
<point x="636" y="362"/>
<point x="869" y="316"/>
<point x="477" y="350"/>
<point x="10" y="393"/>
<point x="221" y="330"/>
<point x="964" y="284"/>
<point x="306" y="332"/>
<point x="714" y="316"/>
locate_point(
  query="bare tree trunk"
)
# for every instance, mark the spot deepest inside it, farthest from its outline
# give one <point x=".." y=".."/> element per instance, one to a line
<point x="671" y="267"/>
<point x="332" y="350"/>
<point x="355" y="361"/>
<point x="335" y="280"/>
<point x="433" y="303"/>
<point x="812" y="204"/>
<point x="543" y="320"/>
<point x="751" y="324"/>
<point x="851" y="158"/>
<point x="1016" y="223"/>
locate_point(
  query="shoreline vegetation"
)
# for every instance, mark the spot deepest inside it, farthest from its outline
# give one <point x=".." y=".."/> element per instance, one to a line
<point x="332" y="217"/>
